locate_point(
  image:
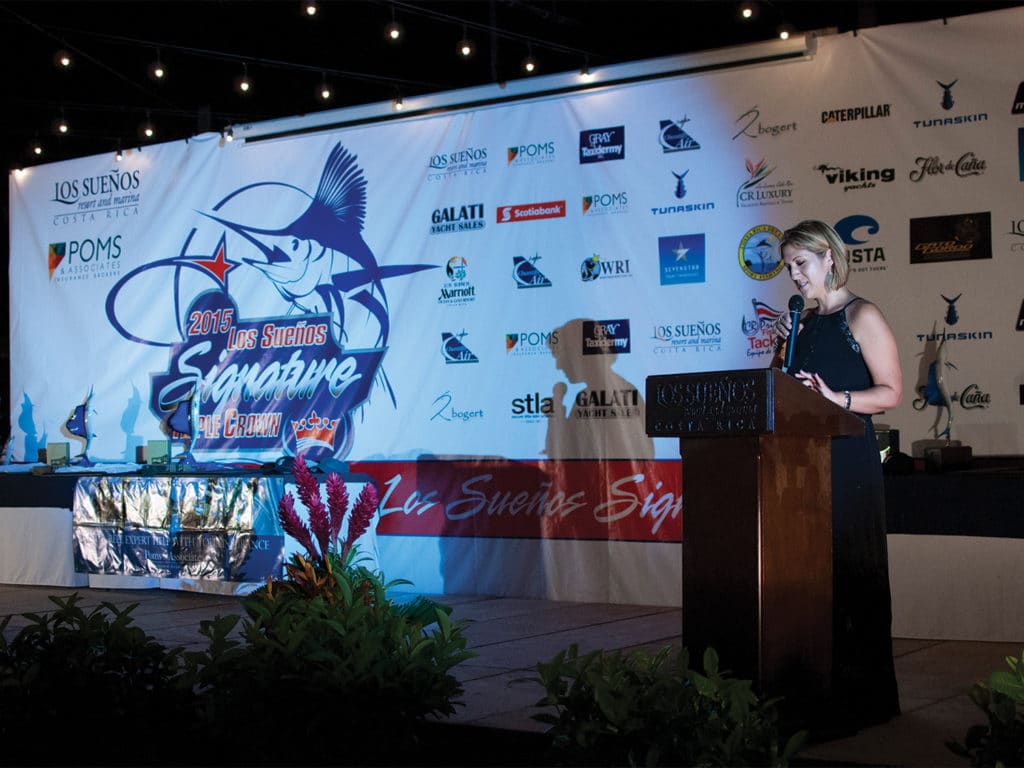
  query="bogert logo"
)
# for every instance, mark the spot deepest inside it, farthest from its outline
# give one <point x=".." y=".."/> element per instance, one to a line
<point x="454" y="351"/>
<point x="673" y="138"/>
<point x="759" y="252"/>
<point x="753" y="115"/>
<point x="605" y="337"/>
<point x="526" y="274"/>
<point x="531" y="211"/>
<point x="681" y="259"/>
<point x="445" y="411"/>
<point x="602" y="144"/>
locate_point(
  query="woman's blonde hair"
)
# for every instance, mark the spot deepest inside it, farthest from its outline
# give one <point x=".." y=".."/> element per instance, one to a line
<point x="817" y="237"/>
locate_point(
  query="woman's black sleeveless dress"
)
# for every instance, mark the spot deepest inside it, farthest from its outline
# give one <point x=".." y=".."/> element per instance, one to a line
<point x="863" y="678"/>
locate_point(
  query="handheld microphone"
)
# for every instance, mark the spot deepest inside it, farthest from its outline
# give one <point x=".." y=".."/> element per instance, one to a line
<point x="796" y="306"/>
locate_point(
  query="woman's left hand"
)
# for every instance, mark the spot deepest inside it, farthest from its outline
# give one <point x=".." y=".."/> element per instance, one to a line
<point x="815" y="382"/>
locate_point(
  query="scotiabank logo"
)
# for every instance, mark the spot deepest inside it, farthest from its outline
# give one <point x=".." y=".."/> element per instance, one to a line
<point x="531" y="211"/>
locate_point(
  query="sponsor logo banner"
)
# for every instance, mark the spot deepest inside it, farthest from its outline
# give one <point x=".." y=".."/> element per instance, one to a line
<point x="104" y="197"/>
<point x="855" y="178"/>
<point x="849" y="114"/>
<point x="673" y="138"/>
<point x="758" y="328"/>
<point x="605" y="337"/>
<point x="759" y="252"/>
<point x="601" y="144"/>
<point x="681" y="259"/>
<point x="531" y="154"/>
<point x="471" y="161"/>
<point x="87" y="258"/>
<point x="457" y="218"/>
<point x="527" y="275"/>
<point x="697" y="336"/>
<point x="531" y="211"/>
<point x="955" y="237"/>
<point x="968" y="164"/>
<point x="618" y="500"/>
<point x="758" y="190"/>
<point x="865" y="255"/>
<point x="746" y="124"/>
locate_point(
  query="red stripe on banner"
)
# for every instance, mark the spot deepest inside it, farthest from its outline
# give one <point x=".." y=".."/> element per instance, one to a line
<point x="619" y="500"/>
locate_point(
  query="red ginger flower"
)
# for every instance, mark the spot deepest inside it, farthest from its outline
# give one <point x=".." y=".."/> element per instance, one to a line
<point x="362" y="514"/>
<point x="337" y="503"/>
<point x="292" y="525"/>
<point x="309" y="495"/>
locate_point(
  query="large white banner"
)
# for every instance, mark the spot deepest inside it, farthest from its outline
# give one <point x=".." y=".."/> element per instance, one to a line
<point x="499" y="281"/>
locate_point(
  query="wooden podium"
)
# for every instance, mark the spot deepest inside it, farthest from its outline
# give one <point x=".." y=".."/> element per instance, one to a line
<point x="757" y="522"/>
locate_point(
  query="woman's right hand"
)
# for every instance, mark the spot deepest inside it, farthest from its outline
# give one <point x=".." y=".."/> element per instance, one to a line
<point x="781" y="329"/>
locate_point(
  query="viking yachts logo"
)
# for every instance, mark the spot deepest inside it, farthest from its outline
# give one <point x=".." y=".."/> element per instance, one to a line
<point x="865" y="255"/>
<point x="531" y="154"/>
<point x="601" y="144"/>
<point x="855" y="178"/>
<point x="750" y="125"/>
<point x="457" y="218"/>
<point x="968" y="164"/>
<point x="849" y="114"/>
<point x="757" y="190"/>
<point x="673" y="138"/>
<point x="681" y="259"/>
<point x="527" y="275"/>
<point x="759" y="252"/>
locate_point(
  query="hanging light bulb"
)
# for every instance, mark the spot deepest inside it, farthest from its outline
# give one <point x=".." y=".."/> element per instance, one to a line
<point x="786" y="31"/>
<point x="310" y="8"/>
<point x="62" y="59"/>
<point x="37" y="149"/>
<point x="529" y="65"/>
<point x="465" y="47"/>
<point x="156" y="69"/>
<point x="62" y="124"/>
<point x="396" y="104"/>
<point x="118" y="156"/>
<point x="748" y="10"/>
<point x="323" y="91"/>
<point x="244" y="84"/>
<point x="229" y="133"/>
<point x="393" y="31"/>
<point x="147" y="129"/>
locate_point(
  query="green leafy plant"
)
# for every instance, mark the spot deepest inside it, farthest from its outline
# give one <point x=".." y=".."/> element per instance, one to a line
<point x="616" y="708"/>
<point x="1001" y="740"/>
<point x="82" y="671"/>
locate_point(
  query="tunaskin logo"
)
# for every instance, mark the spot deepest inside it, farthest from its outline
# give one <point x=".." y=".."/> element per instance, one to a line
<point x="951" y="316"/>
<point x="457" y="218"/>
<point x="454" y="351"/>
<point x="947" y="102"/>
<point x="865" y="255"/>
<point x="601" y="144"/>
<point x="531" y="154"/>
<point x="530" y="211"/>
<point x="673" y="137"/>
<point x="527" y="275"/>
<point x="680" y="191"/>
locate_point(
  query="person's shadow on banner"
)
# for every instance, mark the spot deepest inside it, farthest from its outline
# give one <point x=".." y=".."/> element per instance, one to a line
<point x="605" y="420"/>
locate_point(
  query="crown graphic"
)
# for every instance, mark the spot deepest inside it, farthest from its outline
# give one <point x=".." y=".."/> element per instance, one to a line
<point x="315" y="431"/>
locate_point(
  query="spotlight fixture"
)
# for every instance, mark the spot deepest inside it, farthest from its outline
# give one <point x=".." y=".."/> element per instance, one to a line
<point x="244" y="84"/>
<point x="62" y="59"/>
<point x="310" y="8"/>
<point x="465" y="47"/>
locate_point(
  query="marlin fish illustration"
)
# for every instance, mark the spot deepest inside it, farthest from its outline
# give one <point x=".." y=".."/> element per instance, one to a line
<point x="320" y="260"/>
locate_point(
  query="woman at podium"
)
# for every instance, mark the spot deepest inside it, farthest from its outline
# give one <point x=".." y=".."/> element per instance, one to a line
<point x="845" y="350"/>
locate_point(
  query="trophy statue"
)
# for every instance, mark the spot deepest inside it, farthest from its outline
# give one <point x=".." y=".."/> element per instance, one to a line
<point x="941" y="452"/>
